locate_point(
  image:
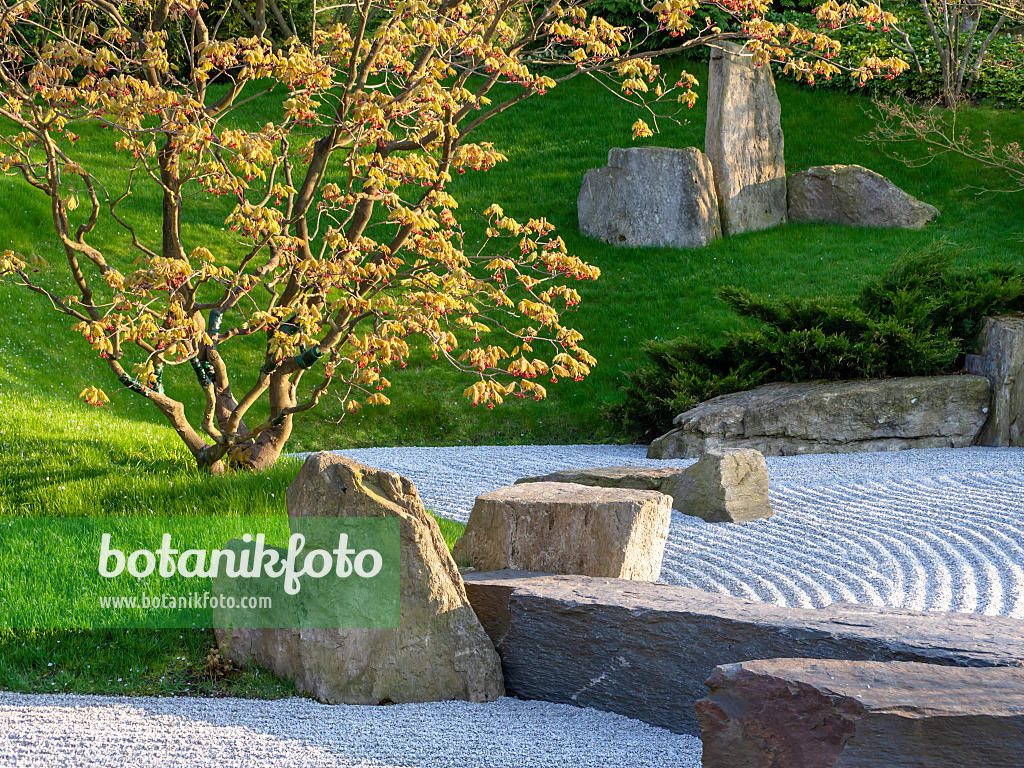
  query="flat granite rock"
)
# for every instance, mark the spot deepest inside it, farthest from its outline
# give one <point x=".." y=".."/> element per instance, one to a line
<point x="644" y="650"/>
<point x="787" y="419"/>
<point x="804" y="713"/>
<point x="568" y="528"/>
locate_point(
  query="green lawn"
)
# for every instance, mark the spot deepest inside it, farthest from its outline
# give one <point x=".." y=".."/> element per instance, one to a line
<point x="61" y="457"/>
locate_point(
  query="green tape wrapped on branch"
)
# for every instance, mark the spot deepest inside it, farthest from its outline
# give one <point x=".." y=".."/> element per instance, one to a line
<point x="132" y="384"/>
<point x="216" y="318"/>
<point x="204" y="371"/>
<point x="308" y="358"/>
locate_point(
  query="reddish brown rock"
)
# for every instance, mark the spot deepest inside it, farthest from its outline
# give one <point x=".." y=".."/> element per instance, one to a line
<point x="806" y="713"/>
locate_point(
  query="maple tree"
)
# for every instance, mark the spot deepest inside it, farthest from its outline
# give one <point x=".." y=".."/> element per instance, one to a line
<point x="346" y="245"/>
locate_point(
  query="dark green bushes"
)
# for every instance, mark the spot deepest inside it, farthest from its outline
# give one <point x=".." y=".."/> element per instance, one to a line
<point x="918" y="319"/>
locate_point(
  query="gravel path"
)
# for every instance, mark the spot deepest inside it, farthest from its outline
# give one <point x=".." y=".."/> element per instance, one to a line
<point x="90" y="731"/>
<point x="927" y="530"/>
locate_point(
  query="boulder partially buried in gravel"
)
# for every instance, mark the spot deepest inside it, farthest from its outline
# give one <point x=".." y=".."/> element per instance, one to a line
<point x="638" y="478"/>
<point x="723" y="487"/>
<point x="787" y="419"/>
<point x="855" y="196"/>
<point x="439" y="651"/>
<point x="804" y="713"/>
<point x="651" y="196"/>
<point x="568" y="528"/>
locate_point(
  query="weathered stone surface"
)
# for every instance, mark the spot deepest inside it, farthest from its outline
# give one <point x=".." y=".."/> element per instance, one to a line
<point x="725" y="487"/>
<point x="644" y="650"/>
<point x="802" y="713"/>
<point x="638" y="478"/>
<point x="568" y="528"/>
<point x="743" y="139"/>
<point x="855" y="196"/>
<point x="651" y="196"/>
<point x="439" y="652"/>
<point x="1002" y="361"/>
<point x="785" y="419"/>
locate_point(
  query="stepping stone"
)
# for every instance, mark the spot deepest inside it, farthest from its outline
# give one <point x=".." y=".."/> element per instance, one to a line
<point x="568" y="528"/>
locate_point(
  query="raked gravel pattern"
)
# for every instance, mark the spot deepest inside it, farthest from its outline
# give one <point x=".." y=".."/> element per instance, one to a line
<point x="68" y="731"/>
<point x="938" y="529"/>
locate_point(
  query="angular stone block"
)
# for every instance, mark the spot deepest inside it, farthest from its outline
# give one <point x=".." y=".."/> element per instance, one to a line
<point x="439" y="651"/>
<point x="725" y="487"/>
<point x="802" y="713"/>
<point x="1002" y="361"/>
<point x="854" y="196"/>
<point x="651" y="196"/>
<point x="743" y="139"/>
<point x="644" y="650"/>
<point x="568" y="528"/>
<point x="786" y="419"/>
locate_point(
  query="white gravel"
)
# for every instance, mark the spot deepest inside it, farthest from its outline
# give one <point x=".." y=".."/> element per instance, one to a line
<point x="54" y="730"/>
<point x="927" y="530"/>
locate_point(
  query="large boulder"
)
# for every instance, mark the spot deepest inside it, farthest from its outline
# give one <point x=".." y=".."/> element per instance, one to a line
<point x="722" y="487"/>
<point x="568" y="528"/>
<point x="803" y="713"/>
<point x="786" y="419"/>
<point x="644" y="650"/>
<point x="1001" y="360"/>
<point x="743" y="139"/>
<point x="855" y="196"/>
<point x="651" y="196"/>
<point x="439" y="651"/>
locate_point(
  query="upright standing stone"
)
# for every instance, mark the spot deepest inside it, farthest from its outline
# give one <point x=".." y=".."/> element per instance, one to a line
<point x="1002" y="361"/>
<point x="744" y="142"/>
<point x="651" y="196"/>
<point x="439" y="651"/>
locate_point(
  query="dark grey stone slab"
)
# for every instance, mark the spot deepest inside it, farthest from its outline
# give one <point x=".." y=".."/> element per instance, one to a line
<point x="803" y="713"/>
<point x="644" y="650"/>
